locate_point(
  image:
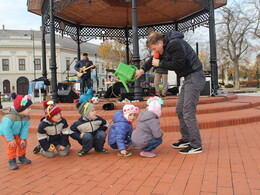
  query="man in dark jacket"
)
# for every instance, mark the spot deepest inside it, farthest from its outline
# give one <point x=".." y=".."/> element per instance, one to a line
<point x="177" y="55"/>
<point x="85" y="78"/>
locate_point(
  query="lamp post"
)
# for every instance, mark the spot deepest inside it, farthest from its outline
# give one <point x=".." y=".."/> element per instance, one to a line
<point x="96" y="72"/>
<point x="34" y="70"/>
<point x="32" y="38"/>
<point x="257" y="77"/>
<point x="103" y="35"/>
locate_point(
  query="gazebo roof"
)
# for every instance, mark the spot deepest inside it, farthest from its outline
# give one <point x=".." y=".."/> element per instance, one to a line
<point x="117" y="13"/>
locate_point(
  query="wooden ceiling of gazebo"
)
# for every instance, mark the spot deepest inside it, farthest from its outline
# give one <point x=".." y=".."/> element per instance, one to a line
<point x="117" y="13"/>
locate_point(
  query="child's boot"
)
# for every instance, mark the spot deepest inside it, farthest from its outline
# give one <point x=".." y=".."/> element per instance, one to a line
<point x="37" y="149"/>
<point x="125" y="155"/>
<point x="23" y="160"/>
<point x="12" y="164"/>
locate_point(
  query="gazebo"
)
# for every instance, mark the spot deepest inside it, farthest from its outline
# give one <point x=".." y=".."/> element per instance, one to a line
<point x="125" y="21"/>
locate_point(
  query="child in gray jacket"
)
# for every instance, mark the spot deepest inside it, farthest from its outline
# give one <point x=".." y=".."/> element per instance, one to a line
<point x="148" y="134"/>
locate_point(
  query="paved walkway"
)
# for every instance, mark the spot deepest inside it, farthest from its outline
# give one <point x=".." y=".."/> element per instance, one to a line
<point x="229" y="164"/>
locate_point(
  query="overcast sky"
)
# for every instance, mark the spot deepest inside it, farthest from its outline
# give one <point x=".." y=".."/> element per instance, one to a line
<point x="14" y="15"/>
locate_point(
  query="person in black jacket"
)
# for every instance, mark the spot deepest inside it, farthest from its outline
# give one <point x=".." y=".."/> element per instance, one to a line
<point x="85" y="79"/>
<point x="53" y="132"/>
<point x="177" y="55"/>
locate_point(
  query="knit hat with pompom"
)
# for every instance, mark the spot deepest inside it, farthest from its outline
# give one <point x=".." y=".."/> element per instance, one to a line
<point x="154" y="105"/>
<point x="128" y="109"/>
<point x="84" y="108"/>
<point x="50" y="109"/>
<point x="21" y="102"/>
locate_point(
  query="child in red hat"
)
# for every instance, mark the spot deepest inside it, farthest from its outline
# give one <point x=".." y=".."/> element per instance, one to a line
<point x="14" y="129"/>
<point x="53" y="132"/>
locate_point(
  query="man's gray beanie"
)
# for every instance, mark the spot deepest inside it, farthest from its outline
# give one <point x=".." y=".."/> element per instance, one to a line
<point x="85" y="106"/>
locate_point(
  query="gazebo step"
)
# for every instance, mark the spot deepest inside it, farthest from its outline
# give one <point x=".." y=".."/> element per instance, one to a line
<point x="237" y="104"/>
<point x="210" y="120"/>
<point x="169" y="101"/>
<point x="211" y="112"/>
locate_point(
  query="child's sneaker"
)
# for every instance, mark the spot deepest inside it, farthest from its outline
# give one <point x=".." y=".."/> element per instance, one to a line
<point x="23" y="160"/>
<point x="37" y="149"/>
<point x="82" y="152"/>
<point x="147" y="154"/>
<point x="103" y="151"/>
<point x="125" y="155"/>
<point x="12" y="164"/>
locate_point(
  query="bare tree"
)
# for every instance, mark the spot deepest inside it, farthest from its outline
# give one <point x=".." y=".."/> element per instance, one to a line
<point x="257" y="10"/>
<point x="235" y="27"/>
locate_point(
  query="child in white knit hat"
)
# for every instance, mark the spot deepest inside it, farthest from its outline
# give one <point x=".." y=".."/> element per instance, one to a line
<point x="119" y="136"/>
<point x="148" y="134"/>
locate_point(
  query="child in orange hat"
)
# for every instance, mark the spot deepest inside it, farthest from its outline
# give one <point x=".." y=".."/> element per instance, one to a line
<point x="14" y="130"/>
<point x="53" y="132"/>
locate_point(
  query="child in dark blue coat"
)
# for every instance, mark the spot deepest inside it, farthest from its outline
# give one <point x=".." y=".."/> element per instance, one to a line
<point x="53" y="132"/>
<point x="89" y="130"/>
<point x="120" y="132"/>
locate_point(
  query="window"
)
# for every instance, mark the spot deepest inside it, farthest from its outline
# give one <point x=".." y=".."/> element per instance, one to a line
<point x="6" y="87"/>
<point x="5" y="63"/>
<point x="37" y="63"/>
<point x="21" y="64"/>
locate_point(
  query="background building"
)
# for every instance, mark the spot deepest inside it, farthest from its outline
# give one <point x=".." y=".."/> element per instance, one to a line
<point x="21" y="59"/>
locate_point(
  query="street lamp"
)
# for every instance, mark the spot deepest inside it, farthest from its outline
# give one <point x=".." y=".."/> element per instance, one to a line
<point x="103" y="35"/>
<point x="32" y="38"/>
<point x="34" y="69"/>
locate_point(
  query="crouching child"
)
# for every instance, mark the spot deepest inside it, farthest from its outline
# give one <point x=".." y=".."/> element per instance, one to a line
<point x="53" y="132"/>
<point x="148" y="133"/>
<point x="89" y="130"/>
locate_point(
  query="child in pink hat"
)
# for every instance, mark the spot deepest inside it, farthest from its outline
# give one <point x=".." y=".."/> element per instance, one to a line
<point x="148" y="134"/>
<point x="119" y="136"/>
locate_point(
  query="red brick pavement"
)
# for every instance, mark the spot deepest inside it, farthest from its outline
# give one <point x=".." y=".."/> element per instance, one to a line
<point x="229" y="164"/>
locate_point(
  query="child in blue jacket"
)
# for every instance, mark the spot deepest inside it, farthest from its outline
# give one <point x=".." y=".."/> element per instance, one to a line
<point x="120" y="132"/>
<point x="14" y="130"/>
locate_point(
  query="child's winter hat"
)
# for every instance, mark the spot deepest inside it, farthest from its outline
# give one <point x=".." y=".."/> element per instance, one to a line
<point x="154" y="105"/>
<point x="84" y="108"/>
<point x="50" y="109"/>
<point x="128" y="109"/>
<point x="21" y="103"/>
